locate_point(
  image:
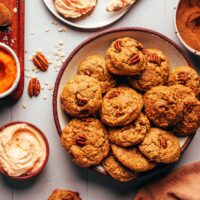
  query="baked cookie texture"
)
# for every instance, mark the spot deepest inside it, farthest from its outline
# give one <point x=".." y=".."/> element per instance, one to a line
<point x="162" y="106"/>
<point x="125" y="57"/>
<point x="155" y="73"/>
<point x="132" y="159"/>
<point x="81" y="96"/>
<point x="95" y="66"/>
<point x="131" y="134"/>
<point x="121" y="106"/>
<point x="59" y="194"/>
<point x="118" y="171"/>
<point x="187" y="76"/>
<point x="86" y="139"/>
<point x="160" y="146"/>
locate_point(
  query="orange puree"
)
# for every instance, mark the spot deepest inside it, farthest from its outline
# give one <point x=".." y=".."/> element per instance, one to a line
<point x="8" y="71"/>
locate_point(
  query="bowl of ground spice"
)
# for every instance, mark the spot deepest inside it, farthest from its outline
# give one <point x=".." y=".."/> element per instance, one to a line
<point x="9" y="71"/>
<point x="187" y="24"/>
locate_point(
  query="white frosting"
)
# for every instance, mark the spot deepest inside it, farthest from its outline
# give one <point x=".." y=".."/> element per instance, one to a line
<point x="74" y="8"/>
<point x="22" y="150"/>
<point x="115" y="5"/>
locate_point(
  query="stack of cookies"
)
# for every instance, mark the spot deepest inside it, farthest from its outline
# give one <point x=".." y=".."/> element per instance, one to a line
<point x="128" y="109"/>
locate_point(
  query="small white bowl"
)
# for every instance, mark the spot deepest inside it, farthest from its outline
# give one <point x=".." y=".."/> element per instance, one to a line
<point x="16" y="82"/>
<point x="192" y="50"/>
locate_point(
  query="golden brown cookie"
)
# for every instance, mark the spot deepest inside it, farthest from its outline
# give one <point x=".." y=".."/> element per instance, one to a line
<point x="117" y="171"/>
<point x="156" y="71"/>
<point x="187" y="76"/>
<point x="121" y="106"/>
<point x="132" y="159"/>
<point x="160" y="146"/>
<point x="59" y="194"/>
<point x="81" y="96"/>
<point x="95" y="66"/>
<point x="131" y="134"/>
<point x="86" y="139"/>
<point x="162" y="106"/>
<point x="5" y="15"/>
<point x="125" y="57"/>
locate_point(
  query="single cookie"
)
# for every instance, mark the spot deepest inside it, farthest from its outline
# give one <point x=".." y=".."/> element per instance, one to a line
<point x="59" y="194"/>
<point x="131" y="134"/>
<point x="95" y="66"/>
<point x="132" y="159"/>
<point x="117" y="171"/>
<point x="81" y="96"/>
<point x="161" y="146"/>
<point x="121" y="106"/>
<point x="156" y="71"/>
<point x="86" y="139"/>
<point x="125" y="57"/>
<point x="162" y="106"/>
<point x="187" y="76"/>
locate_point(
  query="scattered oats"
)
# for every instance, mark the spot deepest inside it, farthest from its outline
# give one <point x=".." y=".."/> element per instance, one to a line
<point x="37" y="70"/>
<point x="47" y="30"/>
<point x="50" y="62"/>
<point x="54" y="22"/>
<point x="60" y="42"/>
<point x="60" y="29"/>
<point x="42" y="87"/>
<point x="24" y="106"/>
<point x="15" y="10"/>
<point x="32" y="33"/>
<point x="45" y="97"/>
<point x="46" y="83"/>
<point x="50" y="88"/>
<point x="56" y="70"/>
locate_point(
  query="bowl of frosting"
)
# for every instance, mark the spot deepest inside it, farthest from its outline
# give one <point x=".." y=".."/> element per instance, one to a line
<point x="9" y="71"/>
<point x="24" y="150"/>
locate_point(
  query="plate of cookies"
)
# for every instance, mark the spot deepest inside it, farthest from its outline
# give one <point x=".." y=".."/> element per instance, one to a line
<point x="89" y="14"/>
<point x="126" y="103"/>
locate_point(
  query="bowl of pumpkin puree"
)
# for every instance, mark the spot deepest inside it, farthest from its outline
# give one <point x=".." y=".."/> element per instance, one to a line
<point x="9" y="71"/>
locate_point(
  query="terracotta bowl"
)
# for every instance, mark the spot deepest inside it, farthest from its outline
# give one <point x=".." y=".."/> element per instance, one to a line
<point x="29" y="176"/>
<point x="98" y="44"/>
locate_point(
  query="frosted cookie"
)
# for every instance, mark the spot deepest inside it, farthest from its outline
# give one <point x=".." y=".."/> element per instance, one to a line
<point x="116" y="5"/>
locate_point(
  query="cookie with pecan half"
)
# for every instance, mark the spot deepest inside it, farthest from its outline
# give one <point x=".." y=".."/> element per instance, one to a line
<point x="86" y="140"/>
<point x="60" y="194"/>
<point x="125" y="57"/>
<point x="156" y="71"/>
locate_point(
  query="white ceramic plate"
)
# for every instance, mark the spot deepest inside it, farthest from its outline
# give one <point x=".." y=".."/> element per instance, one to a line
<point x="98" y="45"/>
<point x="99" y="18"/>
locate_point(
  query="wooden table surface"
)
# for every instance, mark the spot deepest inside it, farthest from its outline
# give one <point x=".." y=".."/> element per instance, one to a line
<point x="40" y="33"/>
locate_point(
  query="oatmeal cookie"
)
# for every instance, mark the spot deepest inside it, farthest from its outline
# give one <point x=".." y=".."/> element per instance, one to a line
<point x="86" y="139"/>
<point x="155" y="73"/>
<point x="125" y="57"/>
<point x="131" y="134"/>
<point x="162" y="106"/>
<point x="59" y="194"/>
<point x="117" y="171"/>
<point x="81" y="96"/>
<point x="132" y="159"/>
<point x="161" y="146"/>
<point x="121" y="106"/>
<point x="187" y="76"/>
<point x="95" y="66"/>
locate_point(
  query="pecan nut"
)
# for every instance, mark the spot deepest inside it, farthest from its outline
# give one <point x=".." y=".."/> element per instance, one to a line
<point x="40" y="61"/>
<point x="118" y="46"/>
<point x="81" y="139"/>
<point x="154" y="58"/>
<point x="34" y="87"/>
<point x="113" y="94"/>
<point x="134" y="59"/>
<point x="163" y="142"/>
<point x="119" y="113"/>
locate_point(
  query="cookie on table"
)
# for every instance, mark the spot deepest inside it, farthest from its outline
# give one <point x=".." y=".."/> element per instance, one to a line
<point x="162" y="106"/>
<point x="131" y="134"/>
<point x="59" y="194"/>
<point x="117" y="171"/>
<point x="161" y="146"/>
<point x="121" y="106"/>
<point x="132" y="159"/>
<point x="156" y="71"/>
<point x="86" y="139"/>
<point x="187" y="76"/>
<point x="81" y="96"/>
<point x="125" y="57"/>
<point x="95" y="66"/>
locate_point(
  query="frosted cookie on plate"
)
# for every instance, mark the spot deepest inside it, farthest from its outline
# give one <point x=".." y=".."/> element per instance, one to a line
<point x="74" y="8"/>
<point x="95" y="66"/>
<point x="125" y="57"/>
<point x="156" y="71"/>
<point x="59" y="194"/>
<point x="116" y="5"/>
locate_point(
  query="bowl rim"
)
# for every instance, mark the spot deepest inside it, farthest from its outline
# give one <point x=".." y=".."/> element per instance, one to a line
<point x="90" y="39"/>
<point x="26" y="177"/>
<point x="16" y="82"/>
<point x="188" y="47"/>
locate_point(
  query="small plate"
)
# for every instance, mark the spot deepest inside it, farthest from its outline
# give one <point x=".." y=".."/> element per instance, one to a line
<point x="99" y="18"/>
<point x="98" y="44"/>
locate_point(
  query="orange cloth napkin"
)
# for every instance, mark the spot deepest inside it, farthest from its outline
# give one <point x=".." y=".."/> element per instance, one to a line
<point x="182" y="184"/>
